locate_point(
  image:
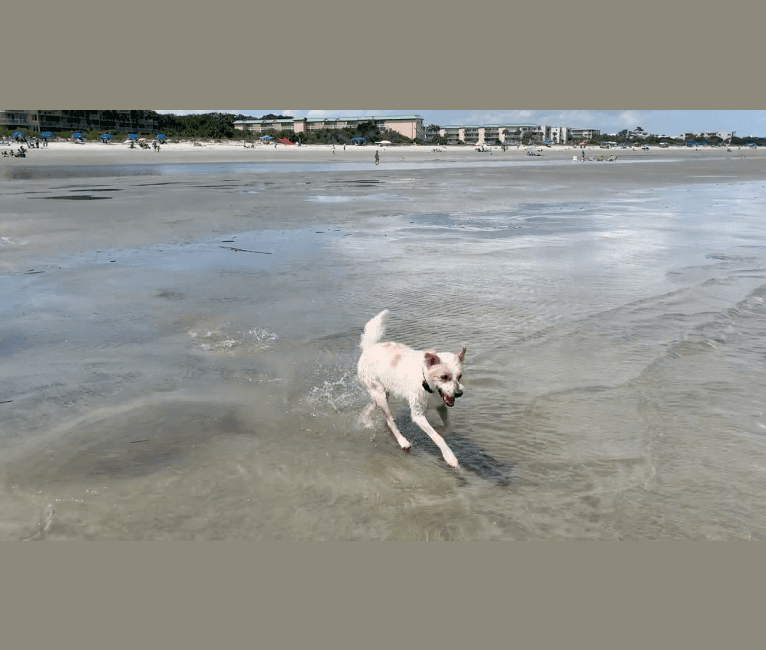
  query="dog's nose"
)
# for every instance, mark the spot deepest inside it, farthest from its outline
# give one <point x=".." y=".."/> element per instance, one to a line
<point x="458" y="393"/>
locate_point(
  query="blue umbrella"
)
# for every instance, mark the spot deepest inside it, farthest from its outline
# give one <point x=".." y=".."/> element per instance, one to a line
<point x="16" y="134"/>
<point x="106" y="136"/>
<point x="77" y="135"/>
<point x="46" y="134"/>
<point x="359" y="137"/>
<point x="132" y="136"/>
<point x="266" y="137"/>
<point x="161" y="136"/>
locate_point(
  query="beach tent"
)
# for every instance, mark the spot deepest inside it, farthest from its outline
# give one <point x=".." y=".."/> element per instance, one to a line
<point x="77" y="135"/>
<point x="161" y="137"/>
<point x="266" y="137"/>
<point x="132" y="136"/>
<point x="285" y="141"/>
<point x="17" y="134"/>
<point x="106" y="136"/>
<point x="46" y="134"/>
<point x="384" y="142"/>
<point x="357" y="140"/>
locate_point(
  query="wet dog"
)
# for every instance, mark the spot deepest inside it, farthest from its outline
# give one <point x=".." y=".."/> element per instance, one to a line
<point x="423" y="378"/>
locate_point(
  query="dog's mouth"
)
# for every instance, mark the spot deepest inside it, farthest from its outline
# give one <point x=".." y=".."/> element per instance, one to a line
<point x="449" y="401"/>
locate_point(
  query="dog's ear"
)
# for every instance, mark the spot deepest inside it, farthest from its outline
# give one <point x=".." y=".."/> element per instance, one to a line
<point x="461" y="356"/>
<point x="432" y="360"/>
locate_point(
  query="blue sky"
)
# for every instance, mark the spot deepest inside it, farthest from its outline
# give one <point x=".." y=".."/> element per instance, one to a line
<point x="660" y="122"/>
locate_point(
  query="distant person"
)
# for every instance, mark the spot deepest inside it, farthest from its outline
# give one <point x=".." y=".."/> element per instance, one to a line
<point x="377" y="158"/>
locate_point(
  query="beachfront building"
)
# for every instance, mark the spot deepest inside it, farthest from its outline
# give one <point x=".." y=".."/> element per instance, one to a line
<point x="514" y="133"/>
<point x="432" y="132"/>
<point x="489" y="134"/>
<point x="567" y="134"/>
<point x="582" y="135"/>
<point x="471" y="134"/>
<point x="57" y="121"/>
<point x="410" y="126"/>
<point x="16" y="119"/>
<point x="453" y="134"/>
<point x="699" y="136"/>
<point x="556" y="134"/>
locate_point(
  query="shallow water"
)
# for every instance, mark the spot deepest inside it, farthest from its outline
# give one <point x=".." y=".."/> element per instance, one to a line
<point x="206" y="389"/>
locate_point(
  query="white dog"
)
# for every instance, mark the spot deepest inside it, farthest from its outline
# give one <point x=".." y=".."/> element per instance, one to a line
<point x="422" y="378"/>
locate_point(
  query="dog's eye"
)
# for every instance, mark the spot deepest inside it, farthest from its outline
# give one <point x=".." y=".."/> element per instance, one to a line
<point x="445" y="377"/>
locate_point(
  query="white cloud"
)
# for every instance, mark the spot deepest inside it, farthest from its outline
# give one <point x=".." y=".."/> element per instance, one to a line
<point x="630" y="119"/>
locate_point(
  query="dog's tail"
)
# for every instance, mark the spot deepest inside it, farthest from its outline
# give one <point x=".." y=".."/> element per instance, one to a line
<point x="374" y="330"/>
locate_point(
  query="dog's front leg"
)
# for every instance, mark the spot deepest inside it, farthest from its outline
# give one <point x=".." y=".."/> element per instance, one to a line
<point x="421" y="421"/>
<point x="443" y="411"/>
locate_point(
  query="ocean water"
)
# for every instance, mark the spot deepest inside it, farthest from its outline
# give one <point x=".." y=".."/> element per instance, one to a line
<point x="206" y="389"/>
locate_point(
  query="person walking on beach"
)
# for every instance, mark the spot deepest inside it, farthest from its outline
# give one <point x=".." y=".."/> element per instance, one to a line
<point x="377" y="158"/>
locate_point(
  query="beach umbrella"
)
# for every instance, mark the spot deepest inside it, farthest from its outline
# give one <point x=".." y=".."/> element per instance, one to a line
<point x="266" y="137"/>
<point x="161" y="136"/>
<point x="46" y="134"/>
<point x="77" y="135"/>
<point x="106" y="136"/>
<point x="132" y="136"/>
<point x="17" y="134"/>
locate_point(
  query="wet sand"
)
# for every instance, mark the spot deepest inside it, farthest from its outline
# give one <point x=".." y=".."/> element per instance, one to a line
<point x="179" y="339"/>
<point x="108" y="182"/>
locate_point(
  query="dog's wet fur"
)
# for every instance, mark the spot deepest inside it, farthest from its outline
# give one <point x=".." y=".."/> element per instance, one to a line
<point x="422" y="377"/>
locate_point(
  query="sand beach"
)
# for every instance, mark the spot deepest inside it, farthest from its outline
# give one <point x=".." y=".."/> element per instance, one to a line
<point x="68" y="152"/>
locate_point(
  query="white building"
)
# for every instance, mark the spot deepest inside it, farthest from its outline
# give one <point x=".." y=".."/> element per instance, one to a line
<point x="410" y="126"/>
<point x="489" y="134"/>
<point x="698" y="136"/>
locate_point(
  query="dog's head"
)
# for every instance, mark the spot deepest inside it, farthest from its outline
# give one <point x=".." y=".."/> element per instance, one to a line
<point x="443" y="373"/>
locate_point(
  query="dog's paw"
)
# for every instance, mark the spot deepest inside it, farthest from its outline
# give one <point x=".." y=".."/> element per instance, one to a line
<point x="451" y="460"/>
<point x="406" y="445"/>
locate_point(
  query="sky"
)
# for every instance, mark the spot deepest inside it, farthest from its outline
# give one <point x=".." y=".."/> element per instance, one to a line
<point x="670" y="123"/>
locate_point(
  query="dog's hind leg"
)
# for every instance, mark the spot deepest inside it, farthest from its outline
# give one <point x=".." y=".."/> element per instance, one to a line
<point x="380" y="400"/>
<point x="421" y="421"/>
